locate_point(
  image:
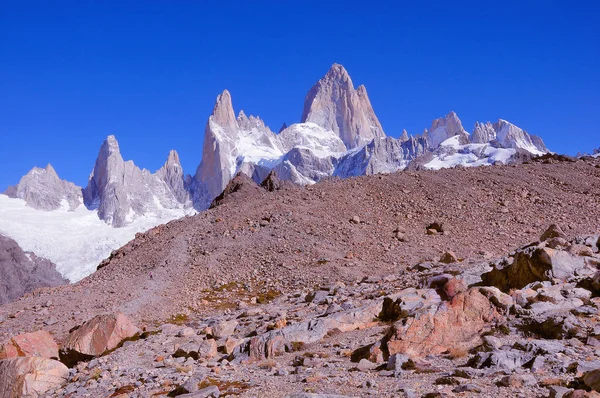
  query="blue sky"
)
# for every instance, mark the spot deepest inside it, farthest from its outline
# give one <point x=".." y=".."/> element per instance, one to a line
<point x="72" y="73"/>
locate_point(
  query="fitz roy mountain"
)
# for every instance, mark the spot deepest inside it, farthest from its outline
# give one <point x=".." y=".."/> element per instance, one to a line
<point x="339" y="135"/>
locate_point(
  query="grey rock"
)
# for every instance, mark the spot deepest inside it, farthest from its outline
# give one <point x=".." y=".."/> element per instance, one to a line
<point x="501" y="360"/>
<point x="558" y="391"/>
<point x="335" y="105"/>
<point x="42" y="189"/>
<point x="23" y="272"/>
<point x="444" y="128"/>
<point x="310" y="395"/>
<point x="208" y="392"/>
<point x="121" y="191"/>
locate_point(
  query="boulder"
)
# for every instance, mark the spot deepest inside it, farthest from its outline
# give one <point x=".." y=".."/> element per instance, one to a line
<point x="30" y="376"/>
<point x="223" y="329"/>
<point x="36" y="344"/>
<point x="536" y="263"/>
<point x="592" y="379"/>
<point x="275" y="342"/>
<point x="553" y="231"/>
<point x="448" y="258"/>
<point x="99" y="335"/>
<point x="457" y="324"/>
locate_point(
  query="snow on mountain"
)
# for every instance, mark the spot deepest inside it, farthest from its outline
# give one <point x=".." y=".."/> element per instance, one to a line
<point x="300" y="152"/>
<point x="510" y="136"/>
<point x="444" y="128"/>
<point x="75" y="240"/>
<point x="452" y="153"/>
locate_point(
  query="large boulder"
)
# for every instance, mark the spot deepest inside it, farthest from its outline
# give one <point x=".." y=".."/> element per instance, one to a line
<point x="36" y="344"/>
<point x="537" y="263"/>
<point x="30" y="376"/>
<point x="275" y="342"/>
<point x="449" y="326"/>
<point x="99" y="335"/>
<point x="592" y="379"/>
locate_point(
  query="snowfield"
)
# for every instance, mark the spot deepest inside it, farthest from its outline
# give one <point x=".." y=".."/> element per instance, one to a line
<point x="453" y="154"/>
<point x="76" y="241"/>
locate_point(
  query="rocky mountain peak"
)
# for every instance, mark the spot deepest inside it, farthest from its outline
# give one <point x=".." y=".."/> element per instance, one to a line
<point x="444" y="128"/>
<point x="222" y="113"/>
<point x="42" y="189"/>
<point x="173" y="158"/>
<point x="404" y="136"/>
<point x="337" y="74"/>
<point x="335" y="105"/>
<point x="483" y="133"/>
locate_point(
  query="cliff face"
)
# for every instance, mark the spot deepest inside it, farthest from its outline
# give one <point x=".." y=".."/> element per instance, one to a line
<point x="22" y="272"/>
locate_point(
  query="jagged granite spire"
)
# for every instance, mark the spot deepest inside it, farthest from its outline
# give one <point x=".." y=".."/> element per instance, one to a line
<point x="42" y="189"/>
<point x="444" y="128"/>
<point x="231" y="145"/>
<point x="121" y="191"/>
<point x="334" y="104"/>
<point x="172" y="174"/>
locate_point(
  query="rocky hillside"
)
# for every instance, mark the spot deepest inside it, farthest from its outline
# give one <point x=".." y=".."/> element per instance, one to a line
<point x="275" y="299"/>
<point x="23" y="272"/>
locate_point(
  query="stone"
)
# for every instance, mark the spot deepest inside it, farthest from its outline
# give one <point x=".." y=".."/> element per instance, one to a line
<point x="553" y="231"/>
<point x="207" y="392"/>
<point x="509" y="360"/>
<point x="365" y="365"/>
<point x="223" y="329"/>
<point x="533" y="264"/>
<point x="398" y="362"/>
<point x="311" y="395"/>
<point x="31" y="376"/>
<point x="36" y="344"/>
<point x="22" y="272"/>
<point x="448" y="258"/>
<point x="97" y="336"/>
<point x="436" y="226"/>
<point x="454" y="325"/>
<point x="558" y="391"/>
<point x="592" y="379"/>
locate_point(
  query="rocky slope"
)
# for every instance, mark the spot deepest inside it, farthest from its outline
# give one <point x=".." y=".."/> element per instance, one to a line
<point x="286" y="297"/>
<point x="23" y="272"/>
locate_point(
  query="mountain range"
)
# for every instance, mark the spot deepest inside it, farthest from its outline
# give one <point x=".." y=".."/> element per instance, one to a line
<point x="339" y="135"/>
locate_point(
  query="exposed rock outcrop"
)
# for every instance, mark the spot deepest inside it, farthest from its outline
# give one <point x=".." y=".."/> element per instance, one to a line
<point x="30" y="376"/>
<point x="23" y="272"/>
<point x="96" y="337"/>
<point x="335" y="105"/>
<point x="122" y="192"/>
<point x="36" y="344"/>
<point x="42" y="189"/>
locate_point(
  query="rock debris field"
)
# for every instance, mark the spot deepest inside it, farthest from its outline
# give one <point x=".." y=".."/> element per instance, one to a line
<point x="463" y="282"/>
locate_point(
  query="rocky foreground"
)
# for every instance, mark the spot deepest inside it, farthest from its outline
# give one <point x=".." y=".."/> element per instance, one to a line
<point x="523" y="325"/>
<point x="406" y="287"/>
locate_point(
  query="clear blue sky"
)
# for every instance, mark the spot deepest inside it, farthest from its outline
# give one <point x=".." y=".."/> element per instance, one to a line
<point x="72" y="72"/>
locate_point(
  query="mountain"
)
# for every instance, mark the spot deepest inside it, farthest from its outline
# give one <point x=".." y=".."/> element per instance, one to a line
<point x="444" y="128"/>
<point x="42" y="189"/>
<point x="23" y="272"/>
<point x="339" y="135"/>
<point x="335" y="105"/>
<point x="122" y="192"/>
